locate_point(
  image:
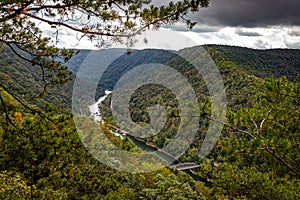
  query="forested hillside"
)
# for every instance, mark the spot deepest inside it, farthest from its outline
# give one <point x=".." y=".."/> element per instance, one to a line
<point x="272" y="63"/>
<point x="257" y="156"/>
<point x="24" y="80"/>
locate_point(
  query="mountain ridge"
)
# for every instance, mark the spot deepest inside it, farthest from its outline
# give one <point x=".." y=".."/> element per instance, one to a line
<point x="23" y="77"/>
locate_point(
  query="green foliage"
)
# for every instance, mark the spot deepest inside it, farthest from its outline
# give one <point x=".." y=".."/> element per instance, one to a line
<point x="13" y="186"/>
<point x="239" y="87"/>
<point x="260" y="158"/>
<point x="273" y="122"/>
<point x="233" y="182"/>
<point x="42" y="157"/>
<point x="170" y="187"/>
<point x="272" y="63"/>
<point x="25" y="82"/>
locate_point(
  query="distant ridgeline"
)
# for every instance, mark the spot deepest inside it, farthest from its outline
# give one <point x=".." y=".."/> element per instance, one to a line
<point x="260" y="63"/>
<point x="240" y="67"/>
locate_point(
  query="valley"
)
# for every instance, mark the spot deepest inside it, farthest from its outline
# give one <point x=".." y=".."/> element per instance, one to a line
<point x="256" y="156"/>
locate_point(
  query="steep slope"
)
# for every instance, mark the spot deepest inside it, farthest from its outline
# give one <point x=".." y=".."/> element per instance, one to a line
<point x="238" y="84"/>
<point x="239" y="87"/>
<point x="24" y="80"/>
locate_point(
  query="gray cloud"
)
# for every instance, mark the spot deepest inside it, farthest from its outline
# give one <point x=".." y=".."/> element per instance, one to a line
<point x="295" y="45"/>
<point x="259" y="44"/>
<point x="250" y="13"/>
<point x="197" y="28"/>
<point x="294" y="31"/>
<point x="247" y="33"/>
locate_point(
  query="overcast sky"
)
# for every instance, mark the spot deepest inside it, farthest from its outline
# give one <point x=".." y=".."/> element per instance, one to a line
<point x="252" y="23"/>
<point x="261" y="24"/>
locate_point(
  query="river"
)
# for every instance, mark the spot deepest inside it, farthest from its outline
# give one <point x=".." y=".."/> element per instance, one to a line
<point x="94" y="109"/>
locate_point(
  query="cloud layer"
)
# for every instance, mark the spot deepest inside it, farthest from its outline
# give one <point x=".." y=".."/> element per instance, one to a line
<point x="258" y="38"/>
<point x="250" y="13"/>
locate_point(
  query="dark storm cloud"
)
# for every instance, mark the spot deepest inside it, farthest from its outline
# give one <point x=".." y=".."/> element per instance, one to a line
<point x="250" y="13"/>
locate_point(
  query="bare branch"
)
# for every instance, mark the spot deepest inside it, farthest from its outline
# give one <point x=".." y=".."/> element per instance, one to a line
<point x="272" y="152"/>
<point x="263" y="121"/>
<point x="255" y="124"/>
<point x="82" y="30"/>
<point x="7" y="117"/>
<point x="43" y="7"/>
